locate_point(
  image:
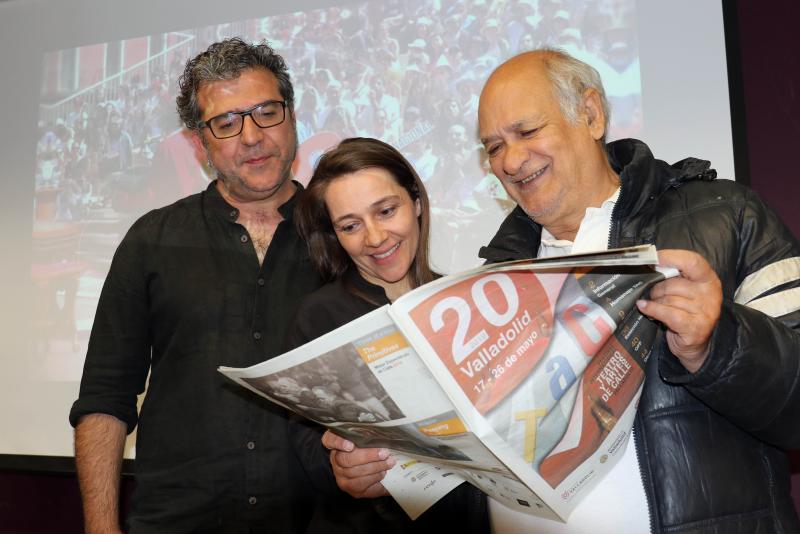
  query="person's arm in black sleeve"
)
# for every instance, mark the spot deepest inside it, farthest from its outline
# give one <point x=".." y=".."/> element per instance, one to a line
<point x="752" y="373"/>
<point x="114" y="374"/>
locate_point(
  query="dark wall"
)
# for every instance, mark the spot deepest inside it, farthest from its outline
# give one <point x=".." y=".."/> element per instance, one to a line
<point x="770" y="69"/>
<point x="39" y="503"/>
<point x="32" y="503"/>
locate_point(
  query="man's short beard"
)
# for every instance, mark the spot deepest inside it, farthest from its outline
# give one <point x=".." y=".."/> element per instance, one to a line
<point x="548" y="210"/>
<point x="224" y="179"/>
<point x="539" y="214"/>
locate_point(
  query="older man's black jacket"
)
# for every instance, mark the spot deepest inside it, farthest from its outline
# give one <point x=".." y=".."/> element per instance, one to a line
<point x="710" y="443"/>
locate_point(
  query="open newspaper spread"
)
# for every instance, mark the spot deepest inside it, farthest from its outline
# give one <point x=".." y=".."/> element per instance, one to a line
<point x="521" y="378"/>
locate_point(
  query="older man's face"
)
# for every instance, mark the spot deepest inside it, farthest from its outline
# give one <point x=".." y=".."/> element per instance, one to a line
<point x="545" y="162"/>
<point x="257" y="163"/>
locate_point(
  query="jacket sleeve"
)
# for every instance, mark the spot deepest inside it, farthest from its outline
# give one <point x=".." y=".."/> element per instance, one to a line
<point x="752" y="374"/>
<point x="306" y="438"/>
<point x="306" y="435"/>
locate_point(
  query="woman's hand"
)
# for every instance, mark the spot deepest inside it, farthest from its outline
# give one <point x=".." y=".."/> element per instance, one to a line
<point x="358" y="471"/>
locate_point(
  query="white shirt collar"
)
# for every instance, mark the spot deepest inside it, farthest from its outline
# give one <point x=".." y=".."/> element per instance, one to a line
<point x="592" y="235"/>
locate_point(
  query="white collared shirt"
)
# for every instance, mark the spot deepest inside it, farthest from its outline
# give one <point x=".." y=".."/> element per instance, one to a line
<point x="600" y="511"/>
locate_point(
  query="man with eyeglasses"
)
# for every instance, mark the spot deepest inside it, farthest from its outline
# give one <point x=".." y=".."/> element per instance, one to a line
<point x="210" y="280"/>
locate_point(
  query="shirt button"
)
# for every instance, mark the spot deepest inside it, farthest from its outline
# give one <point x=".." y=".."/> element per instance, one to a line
<point x="251" y="445"/>
<point x="256" y="335"/>
<point x="234" y="214"/>
<point x="261" y="281"/>
<point x="252" y="500"/>
<point x="244" y="238"/>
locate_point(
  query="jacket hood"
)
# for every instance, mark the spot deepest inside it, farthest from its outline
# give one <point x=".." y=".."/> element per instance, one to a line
<point x="643" y="179"/>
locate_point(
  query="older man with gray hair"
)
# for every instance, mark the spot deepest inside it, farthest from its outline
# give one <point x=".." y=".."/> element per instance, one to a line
<point x="721" y="397"/>
<point x="210" y="280"/>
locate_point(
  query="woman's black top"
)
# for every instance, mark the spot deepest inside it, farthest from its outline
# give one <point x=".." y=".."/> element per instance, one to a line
<point x="463" y="510"/>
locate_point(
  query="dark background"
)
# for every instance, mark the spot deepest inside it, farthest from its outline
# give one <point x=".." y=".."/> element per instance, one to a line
<point x="770" y="76"/>
<point x="764" y="68"/>
<point x="769" y="70"/>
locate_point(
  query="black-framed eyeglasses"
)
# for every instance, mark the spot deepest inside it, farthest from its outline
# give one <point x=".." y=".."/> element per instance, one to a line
<point x="265" y="115"/>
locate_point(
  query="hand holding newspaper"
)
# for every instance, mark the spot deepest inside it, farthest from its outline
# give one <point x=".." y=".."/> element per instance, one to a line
<point x="521" y="378"/>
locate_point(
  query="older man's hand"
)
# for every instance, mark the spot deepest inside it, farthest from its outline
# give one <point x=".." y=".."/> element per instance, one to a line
<point x="688" y="305"/>
<point x="358" y="471"/>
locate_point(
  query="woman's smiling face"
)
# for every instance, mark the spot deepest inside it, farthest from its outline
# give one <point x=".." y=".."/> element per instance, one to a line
<point x="377" y="224"/>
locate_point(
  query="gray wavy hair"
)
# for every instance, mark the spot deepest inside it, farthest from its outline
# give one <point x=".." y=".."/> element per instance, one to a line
<point x="571" y="78"/>
<point x="226" y="60"/>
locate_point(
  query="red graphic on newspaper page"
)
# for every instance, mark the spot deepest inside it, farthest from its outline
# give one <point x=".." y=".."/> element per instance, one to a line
<point x="597" y="411"/>
<point x="490" y="330"/>
<point x="615" y="347"/>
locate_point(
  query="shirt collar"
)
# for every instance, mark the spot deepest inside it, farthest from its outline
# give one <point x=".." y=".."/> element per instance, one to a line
<point x="218" y="204"/>
<point x="374" y="291"/>
<point x="603" y="211"/>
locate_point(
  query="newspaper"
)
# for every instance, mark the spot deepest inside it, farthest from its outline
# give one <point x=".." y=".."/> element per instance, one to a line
<point x="521" y="378"/>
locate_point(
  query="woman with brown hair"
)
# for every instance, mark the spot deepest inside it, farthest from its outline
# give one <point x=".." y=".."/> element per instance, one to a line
<point x="339" y="212"/>
<point x="366" y="220"/>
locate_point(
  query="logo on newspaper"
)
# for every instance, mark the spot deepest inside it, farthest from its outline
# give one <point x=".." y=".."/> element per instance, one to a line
<point x="490" y="330"/>
<point x="569" y="493"/>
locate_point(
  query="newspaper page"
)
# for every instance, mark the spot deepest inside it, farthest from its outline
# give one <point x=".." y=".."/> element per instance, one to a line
<point x="544" y="360"/>
<point x="367" y="383"/>
<point x="521" y="378"/>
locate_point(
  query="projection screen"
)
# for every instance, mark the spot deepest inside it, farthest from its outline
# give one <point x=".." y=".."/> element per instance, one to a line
<point x="90" y="138"/>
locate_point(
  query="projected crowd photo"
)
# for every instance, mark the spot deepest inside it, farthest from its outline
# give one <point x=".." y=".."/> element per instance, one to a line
<point x="110" y="145"/>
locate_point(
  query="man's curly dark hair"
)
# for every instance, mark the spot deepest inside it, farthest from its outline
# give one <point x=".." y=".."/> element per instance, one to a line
<point x="226" y="60"/>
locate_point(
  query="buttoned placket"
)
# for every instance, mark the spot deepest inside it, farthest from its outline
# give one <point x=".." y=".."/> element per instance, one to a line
<point x="251" y="442"/>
